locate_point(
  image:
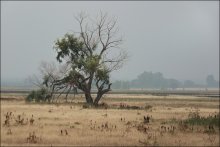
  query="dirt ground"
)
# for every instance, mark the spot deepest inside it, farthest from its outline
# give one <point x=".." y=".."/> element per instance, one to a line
<point x="112" y="126"/>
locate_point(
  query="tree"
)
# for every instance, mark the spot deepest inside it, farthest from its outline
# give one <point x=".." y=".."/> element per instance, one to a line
<point x="211" y="82"/>
<point x="173" y="83"/>
<point x="189" y="84"/>
<point x="150" y="80"/>
<point x="88" y="55"/>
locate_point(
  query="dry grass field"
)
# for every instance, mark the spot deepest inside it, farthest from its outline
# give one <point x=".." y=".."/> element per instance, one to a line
<point x="117" y="123"/>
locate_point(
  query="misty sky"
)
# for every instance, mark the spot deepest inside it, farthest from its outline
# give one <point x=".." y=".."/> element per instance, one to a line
<point x="178" y="39"/>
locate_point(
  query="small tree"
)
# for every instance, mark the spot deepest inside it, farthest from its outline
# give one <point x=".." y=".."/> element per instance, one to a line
<point x="88" y="56"/>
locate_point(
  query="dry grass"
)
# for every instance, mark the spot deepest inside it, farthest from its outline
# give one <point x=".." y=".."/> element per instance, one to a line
<point x="115" y="127"/>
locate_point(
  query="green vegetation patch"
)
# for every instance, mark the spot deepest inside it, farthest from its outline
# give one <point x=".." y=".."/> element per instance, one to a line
<point x="195" y="119"/>
<point x="40" y="95"/>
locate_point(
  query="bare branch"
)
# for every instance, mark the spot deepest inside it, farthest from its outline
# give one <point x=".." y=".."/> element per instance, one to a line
<point x="80" y="19"/>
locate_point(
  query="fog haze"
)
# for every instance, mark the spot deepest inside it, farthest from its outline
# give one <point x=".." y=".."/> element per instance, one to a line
<point x="178" y="39"/>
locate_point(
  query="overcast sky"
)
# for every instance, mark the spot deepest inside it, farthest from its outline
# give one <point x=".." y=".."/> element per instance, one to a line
<point x="178" y="39"/>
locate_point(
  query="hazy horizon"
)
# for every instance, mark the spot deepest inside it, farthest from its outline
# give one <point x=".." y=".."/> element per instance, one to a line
<point x="178" y="39"/>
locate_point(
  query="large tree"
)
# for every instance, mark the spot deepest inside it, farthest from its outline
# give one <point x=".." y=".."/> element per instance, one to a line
<point x="90" y="55"/>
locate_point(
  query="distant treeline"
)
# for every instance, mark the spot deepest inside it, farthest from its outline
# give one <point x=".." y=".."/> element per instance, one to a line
<point x="157" y="81"/>
<point x="148" y="80"/>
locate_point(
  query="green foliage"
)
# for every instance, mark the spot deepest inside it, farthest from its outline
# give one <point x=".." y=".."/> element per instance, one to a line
<point x="195" y="119"/>
<point x="71" y="46"/>
<point x="102" y="74"/>
<point x="81" y="58"/>
<point x="31" y="96"/>
<point x="40" y="95"/>
<point x="91" y="63"/>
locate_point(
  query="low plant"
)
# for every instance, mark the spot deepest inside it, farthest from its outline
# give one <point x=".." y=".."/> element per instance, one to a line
<point x="40" y="95"/>
<point x="195" y="119"/>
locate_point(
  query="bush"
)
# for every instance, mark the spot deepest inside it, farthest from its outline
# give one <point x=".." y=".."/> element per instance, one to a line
<point x="40" y="95"/>
<point x="31" y="96"/>
<point x="195" y="119"/>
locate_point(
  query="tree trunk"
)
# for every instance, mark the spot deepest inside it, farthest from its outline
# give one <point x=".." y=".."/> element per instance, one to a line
<point x="98" y="97"/>
<point x="100" y="93"/>
<point x="89" y="99"/>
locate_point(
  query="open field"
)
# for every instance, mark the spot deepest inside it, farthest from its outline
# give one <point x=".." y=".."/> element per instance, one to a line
<point x="117" y="123"/>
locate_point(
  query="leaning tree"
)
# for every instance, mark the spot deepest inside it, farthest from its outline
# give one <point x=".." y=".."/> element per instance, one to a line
<point x="90" y="55"/>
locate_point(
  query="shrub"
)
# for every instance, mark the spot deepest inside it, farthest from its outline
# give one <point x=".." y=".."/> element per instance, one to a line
<point x="40" y="95"/>
<point x="31" y="96"/>
<point x="195" y="119"/>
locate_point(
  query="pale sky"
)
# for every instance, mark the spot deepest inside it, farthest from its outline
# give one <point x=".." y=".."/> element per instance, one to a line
<point x="179" y="39"/>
